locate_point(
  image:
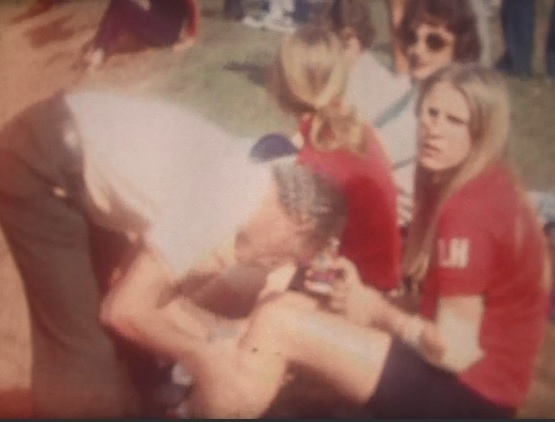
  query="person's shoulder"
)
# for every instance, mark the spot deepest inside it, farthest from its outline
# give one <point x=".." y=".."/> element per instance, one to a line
<point x="485" y="200"/>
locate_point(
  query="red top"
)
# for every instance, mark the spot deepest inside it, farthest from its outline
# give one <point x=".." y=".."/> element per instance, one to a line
<point x="371" y="238"/>
<point x="489" y="244"/>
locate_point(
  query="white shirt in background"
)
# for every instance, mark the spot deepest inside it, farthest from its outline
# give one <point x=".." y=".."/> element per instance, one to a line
<point x="401" y="142"/>
<point x="372" y="87"/>
<point x="373" y="90"/>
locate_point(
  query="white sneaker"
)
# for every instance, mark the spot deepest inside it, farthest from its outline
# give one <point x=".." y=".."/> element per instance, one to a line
<point x="280" y="24"/>
<point x="253" y="22"/>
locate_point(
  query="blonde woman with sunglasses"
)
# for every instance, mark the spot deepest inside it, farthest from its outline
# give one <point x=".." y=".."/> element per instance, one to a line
<point x="475" y="245"/>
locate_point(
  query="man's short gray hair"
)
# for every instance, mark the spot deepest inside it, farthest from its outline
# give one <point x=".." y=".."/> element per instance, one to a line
<point x="307" y="196"/>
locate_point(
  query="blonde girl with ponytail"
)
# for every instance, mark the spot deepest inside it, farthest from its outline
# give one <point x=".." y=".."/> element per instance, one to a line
<point x="308" y="80"/>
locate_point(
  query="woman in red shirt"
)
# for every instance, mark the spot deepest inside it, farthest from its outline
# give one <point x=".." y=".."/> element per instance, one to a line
<point x="308" y="80"/>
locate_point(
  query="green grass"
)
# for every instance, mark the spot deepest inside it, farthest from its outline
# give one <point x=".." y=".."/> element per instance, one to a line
<point x="532" y="137"/>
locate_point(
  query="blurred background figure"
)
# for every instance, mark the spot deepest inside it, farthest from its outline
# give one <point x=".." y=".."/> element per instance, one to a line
<point x="282" y="15"/>
<point x="153" y="23"/>
<point x="275" y="15"/>
<point x="396" y="10"/>
<point x="485" y="10"/>
<point x="233" y="10"/>
<point x="550" y="46"/>
<point x="517" y="22"/>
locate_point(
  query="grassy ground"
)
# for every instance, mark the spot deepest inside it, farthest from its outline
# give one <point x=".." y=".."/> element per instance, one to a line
<point x="222" y="77"/>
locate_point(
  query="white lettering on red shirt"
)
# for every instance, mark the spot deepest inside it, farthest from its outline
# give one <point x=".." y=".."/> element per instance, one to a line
<point x="453" y="253"/>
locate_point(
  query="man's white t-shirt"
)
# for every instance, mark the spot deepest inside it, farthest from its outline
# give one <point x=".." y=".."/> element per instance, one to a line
<point x="158" y="170"/>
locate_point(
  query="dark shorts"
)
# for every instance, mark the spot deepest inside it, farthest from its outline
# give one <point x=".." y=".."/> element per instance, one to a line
<point x="412" y="388"/>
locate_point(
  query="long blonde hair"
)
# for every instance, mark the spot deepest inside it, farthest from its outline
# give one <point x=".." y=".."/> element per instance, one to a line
<point x="487" y="98"/>
<point x="309" y="75"/>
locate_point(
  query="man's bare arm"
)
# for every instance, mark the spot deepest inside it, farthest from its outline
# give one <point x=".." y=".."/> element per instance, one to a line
<point x="142" y="308"/>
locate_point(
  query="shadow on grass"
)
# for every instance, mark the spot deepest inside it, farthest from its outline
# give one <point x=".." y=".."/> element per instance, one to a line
<point x="256" y="73"/>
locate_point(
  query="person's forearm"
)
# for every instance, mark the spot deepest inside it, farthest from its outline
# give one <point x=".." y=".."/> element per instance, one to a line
<point x="387" y="317"/>
<point x="136" y="309"/>
<point x="451" y="344"/>
<point x="408" y="328"/>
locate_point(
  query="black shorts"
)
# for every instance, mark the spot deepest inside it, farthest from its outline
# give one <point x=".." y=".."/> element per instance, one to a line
<point x="412" y="388"/>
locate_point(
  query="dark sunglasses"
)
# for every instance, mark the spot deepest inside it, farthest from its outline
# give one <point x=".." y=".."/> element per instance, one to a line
<point x="434" y="41"/>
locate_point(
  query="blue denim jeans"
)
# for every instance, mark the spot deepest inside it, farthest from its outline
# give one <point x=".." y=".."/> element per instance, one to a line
<point x="550" y="46"/>
<point x="517" y="20"/>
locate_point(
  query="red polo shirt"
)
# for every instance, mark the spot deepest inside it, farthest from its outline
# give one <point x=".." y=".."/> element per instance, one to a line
<point x="490" y="244"/>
